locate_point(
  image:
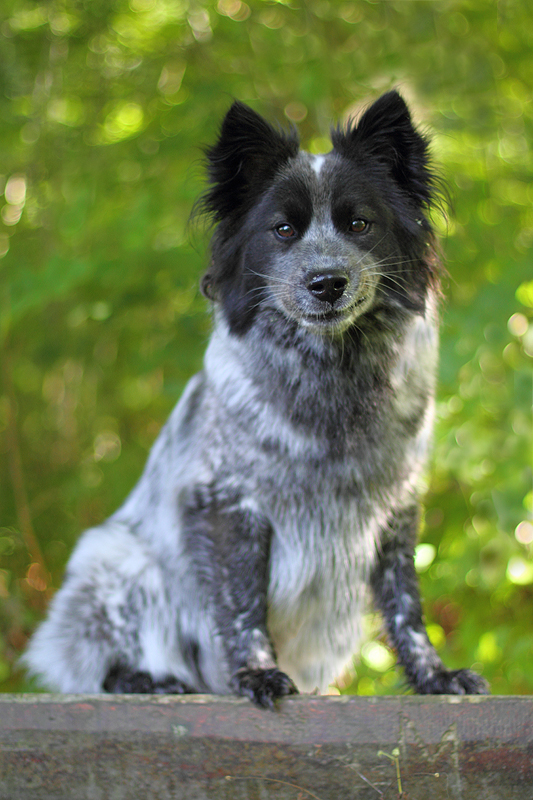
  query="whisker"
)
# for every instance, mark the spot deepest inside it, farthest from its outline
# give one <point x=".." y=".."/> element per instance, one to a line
<point x="272" y="278"/>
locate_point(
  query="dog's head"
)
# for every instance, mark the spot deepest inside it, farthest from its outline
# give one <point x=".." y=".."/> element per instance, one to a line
<point x="321" y="240"/>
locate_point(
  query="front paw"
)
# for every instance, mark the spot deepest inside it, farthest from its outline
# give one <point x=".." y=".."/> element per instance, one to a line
<point x="263" y="686"/>
<point x="458" y="681"/>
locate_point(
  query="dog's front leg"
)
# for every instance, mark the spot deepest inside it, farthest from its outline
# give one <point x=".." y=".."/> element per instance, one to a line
<point x="395" y="587"/>
<point x="229" y="544"/>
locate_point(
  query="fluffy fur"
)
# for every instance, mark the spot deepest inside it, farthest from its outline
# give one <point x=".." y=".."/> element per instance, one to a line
<point x="286" y="481"/>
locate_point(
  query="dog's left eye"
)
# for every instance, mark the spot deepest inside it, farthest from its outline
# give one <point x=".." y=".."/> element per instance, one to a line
<point x="285" y="231"/>
<point x="359" y="225"/>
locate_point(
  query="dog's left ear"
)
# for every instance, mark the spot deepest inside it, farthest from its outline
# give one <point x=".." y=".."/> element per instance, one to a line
<point x="246" y="157"/>
<point x="386" y="132"/>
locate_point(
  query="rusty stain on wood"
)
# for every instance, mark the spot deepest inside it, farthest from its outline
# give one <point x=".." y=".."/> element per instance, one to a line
<point x="109" y="747"/>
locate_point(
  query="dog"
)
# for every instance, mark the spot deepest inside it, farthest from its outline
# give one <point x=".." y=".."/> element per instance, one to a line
<point x="284" y="488"/>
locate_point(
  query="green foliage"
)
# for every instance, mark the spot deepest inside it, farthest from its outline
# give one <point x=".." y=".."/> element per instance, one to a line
<point x="105" y="107"/>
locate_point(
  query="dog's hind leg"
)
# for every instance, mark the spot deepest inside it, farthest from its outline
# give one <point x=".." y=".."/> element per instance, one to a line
<point x="395" y="587"/>
<point x="112" y="626"/>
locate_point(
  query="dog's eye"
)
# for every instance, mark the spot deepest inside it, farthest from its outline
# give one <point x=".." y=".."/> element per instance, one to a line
<point x="358" y="225"/>
<point x="285" y="231"/>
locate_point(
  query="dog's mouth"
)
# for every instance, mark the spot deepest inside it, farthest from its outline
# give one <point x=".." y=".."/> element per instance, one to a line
<point x="335" y="318"/>
<point x="330" y="315"/>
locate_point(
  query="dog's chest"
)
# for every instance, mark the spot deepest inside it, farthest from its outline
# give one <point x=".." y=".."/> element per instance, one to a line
<point x="322" y="552"/>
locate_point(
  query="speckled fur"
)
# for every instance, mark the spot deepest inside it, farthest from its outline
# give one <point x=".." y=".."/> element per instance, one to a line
<point x="285" y="484"/>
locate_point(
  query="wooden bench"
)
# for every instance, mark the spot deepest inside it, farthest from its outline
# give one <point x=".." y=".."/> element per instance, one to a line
<point x="124" y="747"/>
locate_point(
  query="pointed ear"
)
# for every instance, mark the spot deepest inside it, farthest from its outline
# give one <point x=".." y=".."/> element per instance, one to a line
<point x="385" y="132"/>
<point x="245" y="158"/>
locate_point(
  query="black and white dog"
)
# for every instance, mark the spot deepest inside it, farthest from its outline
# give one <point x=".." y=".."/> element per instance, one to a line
<point x="286" y="481"/>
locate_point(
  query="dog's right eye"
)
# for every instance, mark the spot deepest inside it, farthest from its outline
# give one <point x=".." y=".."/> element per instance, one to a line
<point x="285" y="231"/>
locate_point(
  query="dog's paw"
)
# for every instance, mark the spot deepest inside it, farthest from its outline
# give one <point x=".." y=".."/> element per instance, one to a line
<point x="458" y="681"/>
<point x="263" y="686"/>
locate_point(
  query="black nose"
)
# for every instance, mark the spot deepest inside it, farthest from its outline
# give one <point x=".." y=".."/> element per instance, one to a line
<point x="328" y="287"/>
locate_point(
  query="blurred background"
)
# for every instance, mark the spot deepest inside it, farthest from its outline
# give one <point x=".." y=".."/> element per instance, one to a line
<point x="105" y="106"/>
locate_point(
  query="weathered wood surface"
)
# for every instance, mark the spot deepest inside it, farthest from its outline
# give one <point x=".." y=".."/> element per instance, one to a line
<point x="111" y="747"/>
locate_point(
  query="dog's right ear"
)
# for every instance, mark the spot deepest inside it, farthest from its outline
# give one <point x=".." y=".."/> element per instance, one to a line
<point x="247" y="155"/>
